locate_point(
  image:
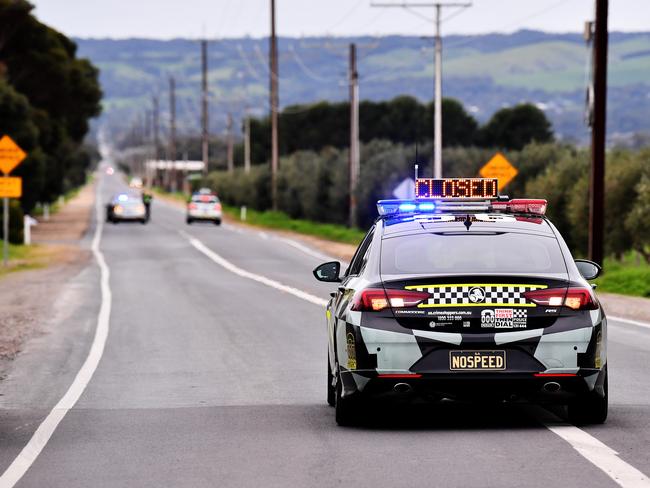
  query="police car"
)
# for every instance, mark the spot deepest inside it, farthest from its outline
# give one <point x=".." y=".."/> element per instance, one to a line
<point x="204" y="206"/>
<point x="463" y="294"/>
<point x="126" y="207"/>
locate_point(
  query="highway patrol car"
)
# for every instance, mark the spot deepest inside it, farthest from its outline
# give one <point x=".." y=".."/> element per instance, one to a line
<point x="462" y="294"/>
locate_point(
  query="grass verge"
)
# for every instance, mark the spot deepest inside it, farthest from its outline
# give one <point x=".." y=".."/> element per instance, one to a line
<point x="22" y="258"/>
<point x="626" y="277"/>
<point x="281" y="221"/>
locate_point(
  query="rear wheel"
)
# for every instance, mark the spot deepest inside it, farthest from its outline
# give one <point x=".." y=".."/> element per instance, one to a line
<point x="188" y="220"/>
<point x="346" y="408"/>
<point x="217" y="222"/>
<point x="590" y="408"/>
<point x="331" y="390"/>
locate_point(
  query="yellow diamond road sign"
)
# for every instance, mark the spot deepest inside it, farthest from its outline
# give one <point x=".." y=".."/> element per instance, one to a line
<point x="499" y="167"/>
<point x="10" y="154"/>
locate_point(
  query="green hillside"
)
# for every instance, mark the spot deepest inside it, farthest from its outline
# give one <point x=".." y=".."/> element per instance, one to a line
<point x="485" y="72"/>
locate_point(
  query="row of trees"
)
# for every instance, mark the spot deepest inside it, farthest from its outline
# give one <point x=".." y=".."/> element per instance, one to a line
<point x="401" y="120"/>
<point x="47" y="96"/>
<point x="313" y="185"/>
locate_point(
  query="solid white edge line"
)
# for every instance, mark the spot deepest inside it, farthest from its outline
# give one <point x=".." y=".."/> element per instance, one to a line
<point x="45" y="430"/>
<point x="596" y="452"/>
<point x="251" y="276"/>
<point x="629" y="321"/>
<point x="601" y="456"/>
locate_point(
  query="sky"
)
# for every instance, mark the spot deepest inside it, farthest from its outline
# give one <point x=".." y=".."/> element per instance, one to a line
<point x="166" y="19"/>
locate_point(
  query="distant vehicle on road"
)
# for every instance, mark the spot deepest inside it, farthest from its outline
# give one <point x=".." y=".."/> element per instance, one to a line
<point x="126" y="207"/>
<point x="136" y="182"/>
<point x="462" y="294"/>
<point x="204" y="206"/>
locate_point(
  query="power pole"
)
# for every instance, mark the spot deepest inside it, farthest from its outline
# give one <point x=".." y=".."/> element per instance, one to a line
<point x="598" y="136"/>
<point x="230" y="147"/>
<point x="437" y="102"/>
<point x="354" y="166"/>
<point x="156" y="127"/>
<point x="204" y="106"/>
<point x="273" y="55"/>
<point x="247" y="143"/>
<point x="172" y="131"/>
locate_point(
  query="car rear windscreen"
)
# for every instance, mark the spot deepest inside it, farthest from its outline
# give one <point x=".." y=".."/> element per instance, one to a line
<point x="468" y="253"/>
<point x="204" y="199"/>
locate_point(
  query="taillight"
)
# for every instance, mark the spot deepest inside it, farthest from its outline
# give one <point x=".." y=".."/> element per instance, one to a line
<point x="375" y="299"/>
<point x="192" y="206"/>
<point x="217" y="206"/>
<point x="574" y="298"/>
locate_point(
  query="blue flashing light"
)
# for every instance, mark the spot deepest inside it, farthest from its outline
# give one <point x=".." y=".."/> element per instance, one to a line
<point x="123" y="197"/>
<point x="397" y="207"/>
<point x="407" y="207"/>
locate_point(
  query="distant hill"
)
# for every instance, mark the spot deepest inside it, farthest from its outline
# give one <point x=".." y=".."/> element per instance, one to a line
<point x="485" y="72"/>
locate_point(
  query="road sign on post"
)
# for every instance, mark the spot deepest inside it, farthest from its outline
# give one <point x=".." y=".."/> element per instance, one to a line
<point x="11" y="155"/>
<point x="499" y="167"/>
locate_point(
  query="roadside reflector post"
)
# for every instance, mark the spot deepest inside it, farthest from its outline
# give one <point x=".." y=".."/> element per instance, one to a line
<point x="28" y="222"/>
<point x="242" y="213"/>
<point x="46" y="211"/>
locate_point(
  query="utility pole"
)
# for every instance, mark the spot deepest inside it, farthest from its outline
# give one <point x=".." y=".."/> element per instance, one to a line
<point x="247" y="143"/>
<point x="354" y="166"/>
<point x="172" y="132"/>
<point x="598" y="136"/>
<point x="156" y="128"/>
<point x="437" y="102"/>
<point x="230" y="147"/>
<point x="204" y="106"/>
<point x="273" y="55"/>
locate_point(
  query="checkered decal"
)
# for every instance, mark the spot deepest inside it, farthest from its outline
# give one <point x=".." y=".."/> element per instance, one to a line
<point x="518" y="313"/>
<point x="458" y="295"/>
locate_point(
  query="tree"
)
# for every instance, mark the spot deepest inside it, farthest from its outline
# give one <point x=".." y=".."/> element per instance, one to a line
<point x="514" y="128"/>
<point x="52" y="94"/>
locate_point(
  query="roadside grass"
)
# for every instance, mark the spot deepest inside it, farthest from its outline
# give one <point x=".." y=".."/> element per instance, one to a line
<point x="628" y="276"/>
<point x="281" y="221"/>
<point x="22" y="258"/>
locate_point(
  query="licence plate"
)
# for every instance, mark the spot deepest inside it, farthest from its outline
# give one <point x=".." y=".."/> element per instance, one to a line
<point x="477" y="360"/>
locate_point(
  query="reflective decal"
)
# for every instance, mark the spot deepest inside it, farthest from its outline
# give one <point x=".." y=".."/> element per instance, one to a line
<point x="352" y="353"/>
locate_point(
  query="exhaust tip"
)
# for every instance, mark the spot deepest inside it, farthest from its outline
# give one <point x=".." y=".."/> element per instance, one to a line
<point x="402" y="388"/>
<point x="552" y="387"/>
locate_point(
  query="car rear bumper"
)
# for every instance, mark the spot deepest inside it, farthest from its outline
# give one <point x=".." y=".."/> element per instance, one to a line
<point x="497" y="386"/>
<point x="204" y="216"/>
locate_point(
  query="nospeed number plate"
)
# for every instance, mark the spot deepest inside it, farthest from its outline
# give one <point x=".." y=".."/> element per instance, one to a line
<point x="477" y="360"/>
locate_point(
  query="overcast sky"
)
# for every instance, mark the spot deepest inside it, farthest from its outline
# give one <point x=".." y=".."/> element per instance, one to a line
<point x="164" y="19"/>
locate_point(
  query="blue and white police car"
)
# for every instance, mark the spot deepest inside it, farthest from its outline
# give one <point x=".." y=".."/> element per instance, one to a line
<point x="465" y="294"/>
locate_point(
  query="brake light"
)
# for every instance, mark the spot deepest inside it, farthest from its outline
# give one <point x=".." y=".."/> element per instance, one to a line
<point x="217" y="206"/>
<point x="522" y="205"/>
<point x="574" y="298"/>
<point x="376" y="299"/>
<point x="192" y="206"/>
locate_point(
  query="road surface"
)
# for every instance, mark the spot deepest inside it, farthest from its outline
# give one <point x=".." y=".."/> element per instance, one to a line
<point x="214" y="375"/>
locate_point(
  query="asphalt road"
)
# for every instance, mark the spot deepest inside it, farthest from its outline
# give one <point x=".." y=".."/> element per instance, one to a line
<point x="209" y="378"/>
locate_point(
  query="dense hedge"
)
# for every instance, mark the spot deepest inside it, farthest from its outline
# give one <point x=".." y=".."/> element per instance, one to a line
<point x="314" y="186"/>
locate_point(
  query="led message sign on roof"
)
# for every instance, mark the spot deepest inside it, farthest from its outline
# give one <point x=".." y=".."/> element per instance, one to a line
<point x="479" y="188"/>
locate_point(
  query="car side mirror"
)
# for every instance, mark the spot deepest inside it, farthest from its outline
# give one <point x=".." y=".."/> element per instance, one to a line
<point x="588" y="269"/>
<point x="328" y="272"/>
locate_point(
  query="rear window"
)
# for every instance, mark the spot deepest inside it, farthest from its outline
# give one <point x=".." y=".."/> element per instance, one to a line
<point x="471" y="253"/>
<point x="205" y="198"/>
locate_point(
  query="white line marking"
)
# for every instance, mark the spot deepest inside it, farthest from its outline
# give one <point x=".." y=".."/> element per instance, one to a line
<point x="307" y="250"/>
<point x="252" y="276"/>
<point x="631" y="322"/>
<point x="39" y="440"/>
<point x="602" y="456"/>
<point x="596" y="452"/>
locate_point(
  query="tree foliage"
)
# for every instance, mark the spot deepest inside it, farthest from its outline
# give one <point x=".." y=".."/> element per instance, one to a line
<point x="47" y="96"/>
<point x="513" y="128"/>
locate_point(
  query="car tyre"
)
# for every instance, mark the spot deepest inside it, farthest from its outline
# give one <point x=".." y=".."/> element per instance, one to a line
<point x="346" y="409"/>
<point x="331" y="389"/>
<point x="217" y="222"/>
<point x="189" y="221"/>
<point x="590" y="408"/>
